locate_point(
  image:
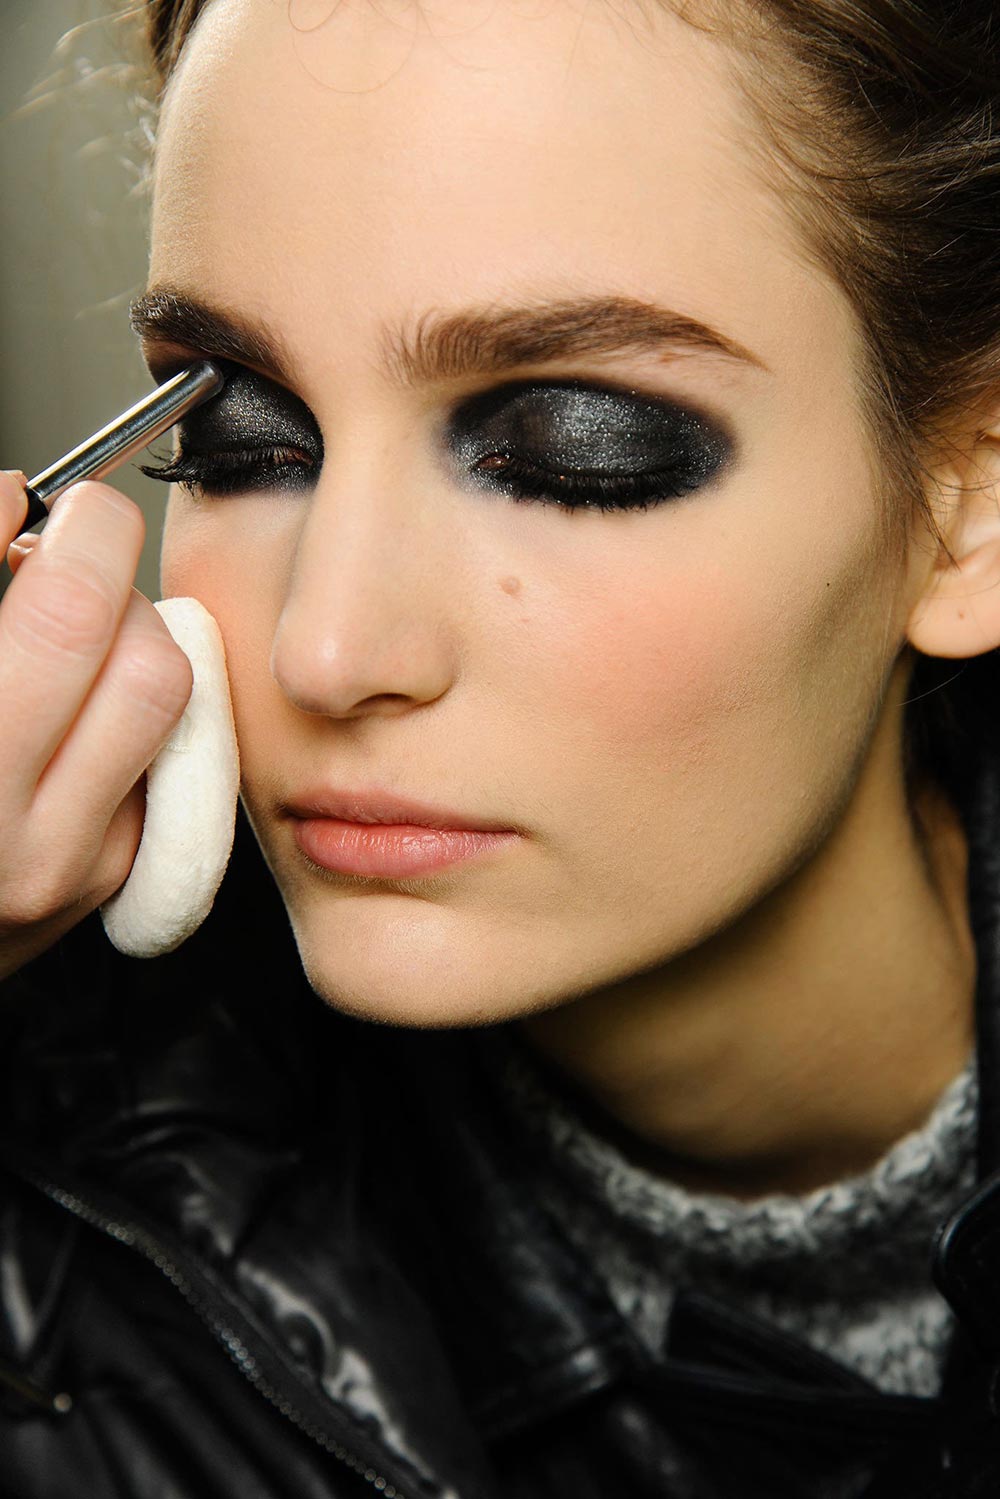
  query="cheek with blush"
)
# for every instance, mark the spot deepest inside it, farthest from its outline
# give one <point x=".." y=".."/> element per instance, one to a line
<point x="660" y="663"/>
<point x="199" y="562"/>
<point x="697" y="711"/>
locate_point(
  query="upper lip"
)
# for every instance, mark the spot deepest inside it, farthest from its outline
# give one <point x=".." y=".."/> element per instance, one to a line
<point x="375" y="806"/>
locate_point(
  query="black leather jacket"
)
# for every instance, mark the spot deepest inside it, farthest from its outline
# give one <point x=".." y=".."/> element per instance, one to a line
<point x="252" y="1247"/>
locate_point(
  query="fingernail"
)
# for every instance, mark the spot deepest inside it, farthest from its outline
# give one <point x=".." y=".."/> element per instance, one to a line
<point x="15" y="473"/>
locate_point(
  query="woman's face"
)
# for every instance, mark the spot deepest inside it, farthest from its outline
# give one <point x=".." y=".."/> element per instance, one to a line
<point x="669" y="705"/>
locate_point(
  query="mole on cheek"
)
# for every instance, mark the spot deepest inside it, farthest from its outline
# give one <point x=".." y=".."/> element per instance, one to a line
<point x="511" y="586"/>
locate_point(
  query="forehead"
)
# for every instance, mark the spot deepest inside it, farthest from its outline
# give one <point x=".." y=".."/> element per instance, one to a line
<point x="321" y="163"/>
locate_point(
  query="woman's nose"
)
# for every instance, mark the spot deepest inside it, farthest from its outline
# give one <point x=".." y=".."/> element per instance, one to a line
<point x="364" y="628"/>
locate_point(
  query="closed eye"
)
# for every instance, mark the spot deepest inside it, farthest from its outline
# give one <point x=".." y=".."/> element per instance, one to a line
<point x="241" y="471"/>
<point x="573" y="444"/>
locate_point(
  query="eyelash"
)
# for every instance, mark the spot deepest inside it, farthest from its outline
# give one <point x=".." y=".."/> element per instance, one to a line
<point x="226" y="473"/>
<point x="223" y="473"/>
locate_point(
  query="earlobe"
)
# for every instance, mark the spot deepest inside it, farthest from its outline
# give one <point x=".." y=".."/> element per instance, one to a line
<point x="958" y="611"/>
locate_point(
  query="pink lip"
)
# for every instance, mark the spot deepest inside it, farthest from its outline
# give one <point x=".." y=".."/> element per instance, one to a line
<point x="377" y="806"/>
<point x="389" y="853"/>
<point x="384" y="836"/>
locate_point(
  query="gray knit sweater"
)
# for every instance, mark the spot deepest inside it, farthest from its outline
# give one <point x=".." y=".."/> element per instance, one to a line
<point x="846" y="1268"/>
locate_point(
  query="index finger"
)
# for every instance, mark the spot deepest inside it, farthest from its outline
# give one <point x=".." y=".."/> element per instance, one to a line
<point x="58" y="621"/>
<point x="13" y="504"/>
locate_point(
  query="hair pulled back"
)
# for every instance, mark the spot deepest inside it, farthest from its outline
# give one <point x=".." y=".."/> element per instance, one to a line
<point x="881" y="124"/>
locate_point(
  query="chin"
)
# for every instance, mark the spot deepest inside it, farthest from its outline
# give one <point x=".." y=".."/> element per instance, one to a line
<point x="408" y="1004"/>
<point x="404" y="984"/>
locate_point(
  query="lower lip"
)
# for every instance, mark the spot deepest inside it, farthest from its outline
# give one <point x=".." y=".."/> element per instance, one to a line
<point x="389" y="851"/>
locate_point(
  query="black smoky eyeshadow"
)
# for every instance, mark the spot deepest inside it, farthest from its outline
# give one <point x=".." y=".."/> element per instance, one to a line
<point x="250" y="412"/>
<point x="578" y="426"/>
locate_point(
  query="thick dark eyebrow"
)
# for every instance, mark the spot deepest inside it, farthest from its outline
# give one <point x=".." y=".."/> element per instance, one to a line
<point x="440" y="346"/>
<point x="163" y="317"/>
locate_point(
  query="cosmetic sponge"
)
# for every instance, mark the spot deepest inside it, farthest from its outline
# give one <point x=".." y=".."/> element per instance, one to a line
<point x="191" y="793"/>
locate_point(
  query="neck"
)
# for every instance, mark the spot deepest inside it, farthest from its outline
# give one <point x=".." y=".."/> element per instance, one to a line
<point x="797" y="1046"/>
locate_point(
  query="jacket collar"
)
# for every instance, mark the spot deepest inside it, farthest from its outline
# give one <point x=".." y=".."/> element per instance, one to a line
<point x="210" y="1101"/>
<point x="966" y="1259"/>
<point x="982" y="826"/>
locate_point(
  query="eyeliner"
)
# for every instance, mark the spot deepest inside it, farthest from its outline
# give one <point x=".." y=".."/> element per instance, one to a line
<point x="128" y="434"/>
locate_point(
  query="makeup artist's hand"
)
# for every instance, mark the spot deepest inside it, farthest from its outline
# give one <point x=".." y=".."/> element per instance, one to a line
<point x="91" y="684"/>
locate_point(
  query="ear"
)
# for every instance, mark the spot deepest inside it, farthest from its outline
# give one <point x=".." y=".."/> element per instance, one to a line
<point x="958" y="611"/>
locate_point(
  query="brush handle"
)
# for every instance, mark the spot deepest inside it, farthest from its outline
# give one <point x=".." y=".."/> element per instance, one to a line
<point x="128" y="434"/>
<point x="37" y="509"/>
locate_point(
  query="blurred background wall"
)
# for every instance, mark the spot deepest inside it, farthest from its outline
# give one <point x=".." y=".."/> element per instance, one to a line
<point x="73" y="222"/>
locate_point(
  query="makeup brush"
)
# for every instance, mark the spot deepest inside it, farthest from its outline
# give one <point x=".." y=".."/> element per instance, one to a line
<point x="129" y="433"/>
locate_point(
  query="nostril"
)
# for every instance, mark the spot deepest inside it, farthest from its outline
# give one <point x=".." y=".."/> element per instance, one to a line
<point x="305" y="668"/>
<point x="374" y="674"/>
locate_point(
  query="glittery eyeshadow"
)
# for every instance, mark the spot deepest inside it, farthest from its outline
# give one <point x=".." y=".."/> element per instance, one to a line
<point x="576" y="426"/>
<point x="248" y="412"/>
<point x="575" y="443"/>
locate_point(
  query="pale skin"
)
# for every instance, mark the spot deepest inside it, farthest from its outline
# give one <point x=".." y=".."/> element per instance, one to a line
<point x="717" y="920"/>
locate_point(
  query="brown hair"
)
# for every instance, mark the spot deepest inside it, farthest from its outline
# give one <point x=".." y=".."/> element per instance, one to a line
<point x="167" y="25"/>
<point x="880" y="119"/>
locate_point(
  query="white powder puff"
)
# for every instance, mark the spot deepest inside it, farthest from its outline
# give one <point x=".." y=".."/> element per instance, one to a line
<point x="191" y="792"/>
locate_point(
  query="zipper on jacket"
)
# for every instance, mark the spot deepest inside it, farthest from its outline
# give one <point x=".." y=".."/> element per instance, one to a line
<point x="143" y="1243"/>
<point x="59" y="1404"/>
